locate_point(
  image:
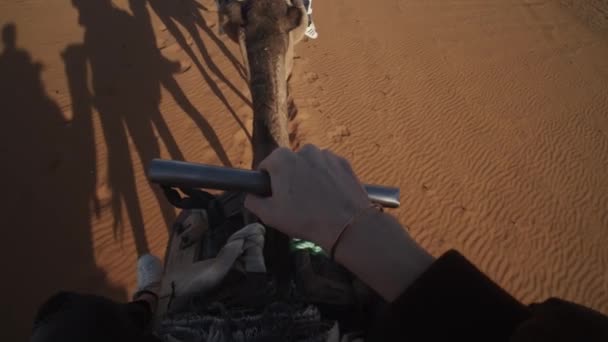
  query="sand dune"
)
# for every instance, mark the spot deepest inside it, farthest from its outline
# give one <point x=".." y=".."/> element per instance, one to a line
<point x="491" y="117"/>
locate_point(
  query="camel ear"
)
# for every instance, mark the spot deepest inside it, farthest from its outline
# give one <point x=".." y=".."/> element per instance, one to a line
<point x="233" y="10"/>
<point x="293" y="19"/>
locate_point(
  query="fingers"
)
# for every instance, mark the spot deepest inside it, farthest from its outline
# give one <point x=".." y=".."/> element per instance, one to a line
<point x="342" y="164"/>
<point x="286" y="170"/>
<point x="277" y="160"/>
<point x="278" y="165"/>
<point x="313" y="156"/>
<point x="335" y="161"/>
<point x="309" y="151"/>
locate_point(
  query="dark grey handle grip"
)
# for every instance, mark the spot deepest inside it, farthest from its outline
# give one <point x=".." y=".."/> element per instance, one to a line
<point x="192" y="175"/>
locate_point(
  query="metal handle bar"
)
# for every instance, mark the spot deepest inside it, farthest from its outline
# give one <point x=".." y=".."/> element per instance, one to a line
<point x="193" y="175"/>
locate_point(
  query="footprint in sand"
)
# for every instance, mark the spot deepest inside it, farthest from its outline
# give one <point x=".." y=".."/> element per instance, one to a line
<point x="311" y="77"/>
<point x="242" y="139"/>
<point x="183" y="65"/>
<point x="339" y="133"/>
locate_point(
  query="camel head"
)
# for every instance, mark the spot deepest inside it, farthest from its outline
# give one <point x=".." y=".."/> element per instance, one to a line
<point x="272" y="25"/>
<point x="267" y="31"/>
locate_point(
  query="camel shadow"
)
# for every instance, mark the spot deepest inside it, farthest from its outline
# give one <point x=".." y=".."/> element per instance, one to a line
<point x="48" y="183"/>
<point x="127" y="73"/>
<point x="187" y="13"/>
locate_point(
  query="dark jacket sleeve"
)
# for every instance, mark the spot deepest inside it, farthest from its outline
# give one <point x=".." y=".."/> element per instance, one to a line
<point x="454" y="301"/>
<point x="557" y="320"/>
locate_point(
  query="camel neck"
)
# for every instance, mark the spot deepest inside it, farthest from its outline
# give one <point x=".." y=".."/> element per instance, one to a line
<point x="269" y="96"/>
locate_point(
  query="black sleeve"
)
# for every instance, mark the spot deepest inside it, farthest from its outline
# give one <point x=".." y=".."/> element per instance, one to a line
<point x="556" y="320"/>
<point x="451" y="301"/>
<point x="454" y="301"/>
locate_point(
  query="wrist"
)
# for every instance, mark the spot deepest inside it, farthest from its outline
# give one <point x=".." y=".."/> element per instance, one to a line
<point x="379" y="251"/>
<point x="370" y="210"/>
<point x="328" y="236"/>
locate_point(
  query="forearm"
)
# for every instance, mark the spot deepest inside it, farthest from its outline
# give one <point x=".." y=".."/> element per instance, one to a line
<point x="379" y="251"/>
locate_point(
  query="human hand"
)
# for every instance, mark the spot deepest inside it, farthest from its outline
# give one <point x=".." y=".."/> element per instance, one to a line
<point x="314" y="194"/>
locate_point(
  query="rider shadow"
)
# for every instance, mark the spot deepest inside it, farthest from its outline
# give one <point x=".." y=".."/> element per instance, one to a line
<point x="48" y="181"/>
<point x="126" y="75"/>
<point x="187" y="14"/>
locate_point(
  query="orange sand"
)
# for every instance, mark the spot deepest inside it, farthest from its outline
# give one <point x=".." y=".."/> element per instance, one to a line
<point x="492" y="117"/>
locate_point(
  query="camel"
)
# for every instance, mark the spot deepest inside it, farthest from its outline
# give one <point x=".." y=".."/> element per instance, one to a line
<point x="267" y="31"/>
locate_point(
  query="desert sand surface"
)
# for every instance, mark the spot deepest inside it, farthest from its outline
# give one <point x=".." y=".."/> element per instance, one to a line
<point x="491" y="116"/>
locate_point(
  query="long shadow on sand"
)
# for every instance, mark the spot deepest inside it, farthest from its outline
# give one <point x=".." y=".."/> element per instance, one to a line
<point x="187" y="13"/>
<point x="127" y="72"/>
<point x="48" y="191"/>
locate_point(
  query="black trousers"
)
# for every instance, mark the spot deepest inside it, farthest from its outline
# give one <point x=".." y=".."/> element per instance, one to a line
<point x="77" y="317"/>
